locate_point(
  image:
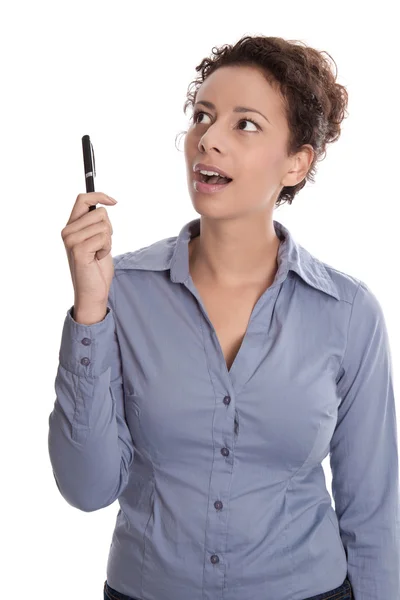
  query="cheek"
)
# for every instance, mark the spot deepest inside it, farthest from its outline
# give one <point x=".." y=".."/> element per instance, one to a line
<point x="189" y="151"/>
<point x="189" y="145"/>
<point x="185" y="143"/>
<point x="267" y="165"/>
<point x="257" y="169"/>
<point x="276" y="157"/>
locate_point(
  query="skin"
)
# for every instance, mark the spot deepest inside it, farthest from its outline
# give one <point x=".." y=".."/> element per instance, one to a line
<point x="237" y="246"/>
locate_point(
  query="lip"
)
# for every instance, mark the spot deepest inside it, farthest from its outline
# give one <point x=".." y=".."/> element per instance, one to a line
<point x="207" y="188"/>
<point x="202" y="166"/>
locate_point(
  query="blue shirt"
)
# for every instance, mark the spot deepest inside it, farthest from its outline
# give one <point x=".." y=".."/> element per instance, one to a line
<point x="218" y="473"/>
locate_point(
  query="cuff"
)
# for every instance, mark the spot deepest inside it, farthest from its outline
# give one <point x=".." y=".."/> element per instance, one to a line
<point x="86" y="349"/>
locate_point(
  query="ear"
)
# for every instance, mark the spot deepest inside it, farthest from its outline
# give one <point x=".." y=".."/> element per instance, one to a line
<point x="299" y="166"/>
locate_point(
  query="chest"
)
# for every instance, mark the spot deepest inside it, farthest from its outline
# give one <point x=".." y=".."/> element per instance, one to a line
<point x="282" y="361"/>
<point x="229" y="312"/>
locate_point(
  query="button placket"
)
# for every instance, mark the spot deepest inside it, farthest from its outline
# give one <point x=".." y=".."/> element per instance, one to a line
<point x="217" y="524"/>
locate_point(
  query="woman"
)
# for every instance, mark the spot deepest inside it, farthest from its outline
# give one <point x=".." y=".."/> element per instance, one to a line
<point x="226" y="364"/>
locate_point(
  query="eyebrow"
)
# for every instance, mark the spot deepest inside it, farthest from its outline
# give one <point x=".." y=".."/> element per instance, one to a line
<point x="240" y="109"/>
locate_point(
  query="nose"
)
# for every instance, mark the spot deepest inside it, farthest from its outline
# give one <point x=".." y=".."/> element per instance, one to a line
<point x="204" y="149"/>
<point x="210" y="140"/>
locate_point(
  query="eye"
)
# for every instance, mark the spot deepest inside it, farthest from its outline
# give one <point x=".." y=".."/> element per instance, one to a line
<point x="201" y="112"/>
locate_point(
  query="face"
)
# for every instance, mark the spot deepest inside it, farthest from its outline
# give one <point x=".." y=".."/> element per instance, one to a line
<point x="251" y="152"/>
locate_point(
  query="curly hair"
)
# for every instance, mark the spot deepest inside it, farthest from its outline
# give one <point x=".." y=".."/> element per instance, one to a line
<point x="314" y="103"/>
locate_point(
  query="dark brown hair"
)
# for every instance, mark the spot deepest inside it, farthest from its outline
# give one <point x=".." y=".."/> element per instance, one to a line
<point x="315" y="104"/>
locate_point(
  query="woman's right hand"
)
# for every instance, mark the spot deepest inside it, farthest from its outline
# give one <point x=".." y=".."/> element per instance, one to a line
<point x="87" y="240"/>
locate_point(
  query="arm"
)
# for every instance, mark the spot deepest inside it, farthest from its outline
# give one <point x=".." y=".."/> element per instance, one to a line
<point x="364" y="455"/>
<point x="89" y="442"/>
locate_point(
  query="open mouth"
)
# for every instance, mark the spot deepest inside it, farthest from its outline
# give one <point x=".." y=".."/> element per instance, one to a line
<point x="211" y="179"/>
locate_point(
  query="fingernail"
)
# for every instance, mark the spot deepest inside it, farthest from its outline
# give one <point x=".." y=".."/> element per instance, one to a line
<point x="113" y="199"/>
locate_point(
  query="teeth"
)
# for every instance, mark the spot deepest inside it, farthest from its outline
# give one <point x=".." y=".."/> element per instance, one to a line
<point x="209" y="173"/>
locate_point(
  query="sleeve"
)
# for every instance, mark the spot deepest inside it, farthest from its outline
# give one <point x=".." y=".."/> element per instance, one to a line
<point x="364" y="455"/>
<point x="89" y="442"/>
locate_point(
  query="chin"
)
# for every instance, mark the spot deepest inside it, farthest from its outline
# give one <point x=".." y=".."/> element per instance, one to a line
<point x="208" y="206"/>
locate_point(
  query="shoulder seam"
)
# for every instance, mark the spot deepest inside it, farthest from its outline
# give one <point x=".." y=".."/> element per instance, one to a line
<point x="120" y="258"/>
<point x="348" y="328"/>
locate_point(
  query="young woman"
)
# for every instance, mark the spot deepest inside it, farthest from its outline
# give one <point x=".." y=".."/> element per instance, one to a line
<point x="203" y="379"/>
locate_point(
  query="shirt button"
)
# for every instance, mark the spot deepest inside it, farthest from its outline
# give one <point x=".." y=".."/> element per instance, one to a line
<point x="85" y="361"/>
<point x="225" y="452"/>
<point x="218" y="504"/>
<point x="86" y="341"/>
<point x="214" y="559"/>
<point x="227" y="400"/>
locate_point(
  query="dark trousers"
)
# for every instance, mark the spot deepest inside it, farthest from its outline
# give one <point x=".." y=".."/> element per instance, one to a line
<point x="343" y="592"/>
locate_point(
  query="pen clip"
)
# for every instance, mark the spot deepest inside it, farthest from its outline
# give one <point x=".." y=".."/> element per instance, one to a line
<point x="93" y="160"/>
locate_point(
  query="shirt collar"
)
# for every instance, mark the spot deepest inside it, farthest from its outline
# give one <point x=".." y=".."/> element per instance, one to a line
<point x="172" y="253"/>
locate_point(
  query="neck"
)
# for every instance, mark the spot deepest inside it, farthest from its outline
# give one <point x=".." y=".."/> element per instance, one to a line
<point x="234" y="253"/>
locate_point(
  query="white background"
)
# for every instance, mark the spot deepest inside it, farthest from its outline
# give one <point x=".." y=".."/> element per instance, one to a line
<point x="119" y="72"/>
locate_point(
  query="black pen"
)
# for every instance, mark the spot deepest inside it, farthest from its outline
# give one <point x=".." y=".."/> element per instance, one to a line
<point x="90" y="166"/>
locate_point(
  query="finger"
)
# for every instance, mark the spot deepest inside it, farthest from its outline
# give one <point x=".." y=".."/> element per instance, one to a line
<point x="94" y="244"/>
<point x="83" y="201"/>
<point x="75" y="239"/>
<point x="89" y="218"/>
